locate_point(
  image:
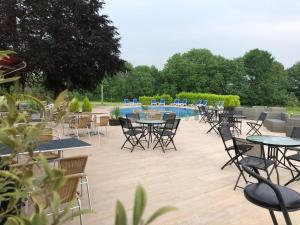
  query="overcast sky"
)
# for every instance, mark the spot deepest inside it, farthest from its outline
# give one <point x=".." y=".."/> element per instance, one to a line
<point x="153" y="30"/>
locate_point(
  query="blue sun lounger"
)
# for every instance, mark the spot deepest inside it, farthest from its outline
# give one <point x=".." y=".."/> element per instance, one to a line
<point x="153" y="102"/>
<point x="184" y="102"/>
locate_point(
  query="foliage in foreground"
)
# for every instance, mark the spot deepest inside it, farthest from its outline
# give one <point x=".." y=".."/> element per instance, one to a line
<point x="140" y="203"/>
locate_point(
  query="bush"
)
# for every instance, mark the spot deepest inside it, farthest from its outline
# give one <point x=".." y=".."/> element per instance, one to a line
<point x="86" y="105"/>
<point x="146" y="100"/>
<point x="74" y="105"/>
<point x="292" y="100"/>
<point x="229" y="100"/>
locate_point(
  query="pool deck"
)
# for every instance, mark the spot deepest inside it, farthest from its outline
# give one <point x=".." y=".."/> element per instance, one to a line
<point x="189" y="179"/>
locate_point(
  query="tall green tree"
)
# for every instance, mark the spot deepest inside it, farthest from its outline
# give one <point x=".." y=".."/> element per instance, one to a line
<point x="267" y="79"/>
<point x="294" y="79"/>
<point x="135" y="82"/>
<point x="70" y="43"/>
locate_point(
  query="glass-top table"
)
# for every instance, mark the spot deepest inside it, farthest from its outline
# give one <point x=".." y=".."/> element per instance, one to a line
<point x="274" y="144"/>
<point x="150" y="123"/>
<point x="274" y="140"/>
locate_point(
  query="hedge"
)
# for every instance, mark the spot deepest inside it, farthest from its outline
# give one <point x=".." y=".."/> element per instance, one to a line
<point x="229" y="100"/>
<point x="146" y="100"/>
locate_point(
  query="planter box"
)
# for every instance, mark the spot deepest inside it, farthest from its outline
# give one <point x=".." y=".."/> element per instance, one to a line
<point x="114" y="122"/>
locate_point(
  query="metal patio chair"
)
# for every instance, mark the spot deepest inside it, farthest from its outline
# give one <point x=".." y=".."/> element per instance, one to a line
<point x="255" y="126"/>
<point x="165" y="136"/>
<point x="247" y="153"/>
<point x="271" y="196"/>
<point x="294" y="158"/>
<point x="132" y="135"/>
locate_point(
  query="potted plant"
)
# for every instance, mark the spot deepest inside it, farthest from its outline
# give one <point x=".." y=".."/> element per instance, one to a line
<point x="86" y="105"/>
<point x="74" y="106"/>
<point x="115" y="114"/>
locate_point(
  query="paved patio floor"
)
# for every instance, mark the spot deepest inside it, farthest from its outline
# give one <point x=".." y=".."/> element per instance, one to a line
<point x="189" y="179"/>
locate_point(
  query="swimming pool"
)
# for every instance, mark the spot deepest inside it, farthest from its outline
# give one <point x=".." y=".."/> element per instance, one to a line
<point x="180" y="111"/>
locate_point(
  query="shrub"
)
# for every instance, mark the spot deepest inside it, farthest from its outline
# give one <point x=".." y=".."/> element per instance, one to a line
<point x="86" y="105"/>
<point x="146" y="100"/>
<point x="74" y="105"/>
<point x="229" y="100"/>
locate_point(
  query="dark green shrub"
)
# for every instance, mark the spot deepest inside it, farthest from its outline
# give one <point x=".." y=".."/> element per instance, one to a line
<point x="86" y="105"/>
<point x="74" y="105"/>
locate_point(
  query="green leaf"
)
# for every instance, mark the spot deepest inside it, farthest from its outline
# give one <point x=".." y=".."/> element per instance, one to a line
<point x="121" y="218"/>
<point x="159" y="213"/>
<point x="61" y="98"/>
<point x="139" y="204"/>
<point x="11" y="79"/>
<point x="39" y="219"/>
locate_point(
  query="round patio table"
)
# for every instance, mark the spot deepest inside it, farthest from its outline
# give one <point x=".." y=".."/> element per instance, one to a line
<point x="150" y="125"/>
<point x="273" y="143"/>
<point x="274" y="140"/>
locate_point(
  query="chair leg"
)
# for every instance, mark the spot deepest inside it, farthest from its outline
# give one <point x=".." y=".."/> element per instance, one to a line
<point x="79" y="207"/>
<point x="88" y="191"/>
<point x="273" y="217"/>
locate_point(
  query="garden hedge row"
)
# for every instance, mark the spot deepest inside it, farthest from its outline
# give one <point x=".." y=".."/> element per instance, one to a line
<point x="229" y="100"/>
<point x="146" y="100"/>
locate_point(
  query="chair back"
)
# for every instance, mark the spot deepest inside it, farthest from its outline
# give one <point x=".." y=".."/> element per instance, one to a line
<point x="198" y="102"/>
<point x="104" y="121"/>
<point x="68" y="191"/>
<point x="126" y="101"/>
<point x="133" y="117"/>
<point x="295" y="132"/>
<point x="73" y="165"/>
<point x="225" y="134"/>
<point x="176" y="101"/>
<point x="262" y="117"/>
<point x="169" y="125"/>
<point x="125" y="124"/>
<point x="84" y="121"/>
<point x="176" y="124"/>
<point x="162" y="101"/>
<point x="204" y="103"/>
<point x="134" y="101"/>
<point x="184" y="101"/>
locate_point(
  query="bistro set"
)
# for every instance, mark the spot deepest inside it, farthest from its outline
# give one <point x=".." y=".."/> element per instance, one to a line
<point x="264" y="153"/>
<point x="159" y="130"/>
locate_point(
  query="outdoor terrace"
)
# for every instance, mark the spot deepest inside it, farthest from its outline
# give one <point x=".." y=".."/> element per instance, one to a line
<point x="189" y="179"/>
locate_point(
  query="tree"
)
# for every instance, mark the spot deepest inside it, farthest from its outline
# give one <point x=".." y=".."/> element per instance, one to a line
<point x="267" y="79"/>
<point x="69" y="42"/>
<point x="135" y="82"/>
<point x="294" y="79"/>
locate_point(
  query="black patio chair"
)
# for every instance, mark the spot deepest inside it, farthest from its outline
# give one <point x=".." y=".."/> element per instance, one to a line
<point x="205" y="115"/>
<point x="271" y="196"/>
<point x="133" y="135"/>
<point x="224" y="120"/>
<point x="165" y="136"/>
<point x="294" y="158"/>
<point x="247" y="153"/>
<point x="227" y="138"/>
<point x="255" y="126"/>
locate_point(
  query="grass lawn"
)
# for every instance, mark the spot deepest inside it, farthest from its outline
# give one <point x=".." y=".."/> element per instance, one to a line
<point x="294" y="109"/>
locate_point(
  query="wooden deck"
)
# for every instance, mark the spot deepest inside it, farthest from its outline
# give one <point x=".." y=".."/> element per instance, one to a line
<point x="189" y="179"/>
